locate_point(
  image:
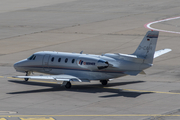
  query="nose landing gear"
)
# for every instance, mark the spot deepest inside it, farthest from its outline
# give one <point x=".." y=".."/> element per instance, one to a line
<point x="66" y="84"/>
<point x="104" y="82"/>
<point x="27" y="74"/>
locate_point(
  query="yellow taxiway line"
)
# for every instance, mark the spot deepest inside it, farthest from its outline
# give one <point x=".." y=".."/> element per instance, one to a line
<point x="132" y="90"/>
<point x="1" y="77"/>
<point x="117" y="115"/>
<point x="2" y="119"/>
<point x="149" y="91"/>
<point x="37" y="118"/>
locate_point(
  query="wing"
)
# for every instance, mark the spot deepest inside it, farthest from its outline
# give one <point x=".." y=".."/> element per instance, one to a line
<point x="53" y="77"/>
<point x="161" y="52"/>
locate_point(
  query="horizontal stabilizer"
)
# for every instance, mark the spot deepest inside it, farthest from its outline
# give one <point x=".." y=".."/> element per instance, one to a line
<point x="161" y="52"/>
<point x="53" y="77"/>
<point x="134" y="72"/>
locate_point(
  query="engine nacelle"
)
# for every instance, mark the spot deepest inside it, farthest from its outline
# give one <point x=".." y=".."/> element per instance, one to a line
<point x="92" y="63"/>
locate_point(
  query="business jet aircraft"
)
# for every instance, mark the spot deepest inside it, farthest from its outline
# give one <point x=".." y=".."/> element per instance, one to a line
<point x="79" y="67"/>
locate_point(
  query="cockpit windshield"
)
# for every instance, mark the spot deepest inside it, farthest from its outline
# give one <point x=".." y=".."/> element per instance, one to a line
<point x="32" y="57"/>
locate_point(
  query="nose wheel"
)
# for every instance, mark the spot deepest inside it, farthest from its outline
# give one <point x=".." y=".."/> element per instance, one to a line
<point x="27" y="74"/>
<point x="26" y="79"/>
<point x="68" y="85"/>
<point x="104" y="82"/>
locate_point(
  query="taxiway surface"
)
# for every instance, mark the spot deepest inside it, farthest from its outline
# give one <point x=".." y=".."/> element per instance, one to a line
<point x="96" y="26"/>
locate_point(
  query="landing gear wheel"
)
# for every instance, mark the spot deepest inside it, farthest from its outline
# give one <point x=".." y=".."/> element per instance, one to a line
<point x="26" y="79"/>
<point x="68" y="85"/>
<point x="27" y="74"/>
<point x="104" y="82"/>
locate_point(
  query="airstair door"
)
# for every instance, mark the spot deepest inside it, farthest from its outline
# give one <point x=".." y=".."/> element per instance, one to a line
<point x="45" y="62"/>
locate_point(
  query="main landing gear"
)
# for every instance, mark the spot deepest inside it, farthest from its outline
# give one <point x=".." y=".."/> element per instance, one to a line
<point x="66" y="84"/>
<point x="104" y="82"/>
<point x="27" y="74"/>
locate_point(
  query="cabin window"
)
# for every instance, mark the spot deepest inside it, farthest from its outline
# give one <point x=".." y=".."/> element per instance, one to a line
<point x="59" y="60"/>
<point x="73" y="60"/>
<point x="52" y="59"/>
<point x="66" y="60"/>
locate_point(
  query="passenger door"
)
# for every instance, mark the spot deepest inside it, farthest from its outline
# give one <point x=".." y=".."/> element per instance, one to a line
<point x="45" y="62"/>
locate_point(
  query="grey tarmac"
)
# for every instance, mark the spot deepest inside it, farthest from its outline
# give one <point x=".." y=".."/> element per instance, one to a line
<point x="96" y="27"/>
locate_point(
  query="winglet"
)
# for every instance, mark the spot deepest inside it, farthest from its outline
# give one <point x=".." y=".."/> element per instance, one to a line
<point x="81" y="52"/>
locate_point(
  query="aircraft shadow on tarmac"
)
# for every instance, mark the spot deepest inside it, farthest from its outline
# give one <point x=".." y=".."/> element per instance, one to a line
<point x="87" y="88"/>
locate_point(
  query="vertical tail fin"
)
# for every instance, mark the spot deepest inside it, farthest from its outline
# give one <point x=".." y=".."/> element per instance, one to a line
<point x="147" y="47"/>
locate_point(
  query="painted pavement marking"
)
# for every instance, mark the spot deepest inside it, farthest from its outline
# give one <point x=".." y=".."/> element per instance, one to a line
<point x="148" y="25"/>
<point x="150" y="91"/>
<point x="43" y="118"/>
<point x="2" y="119"/>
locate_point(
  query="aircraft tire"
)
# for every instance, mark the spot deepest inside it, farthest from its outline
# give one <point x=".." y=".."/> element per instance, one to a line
<point x="26" y="79"/>
<point x="104" y="82"/>
<point x="27" y="74"/>
<point x="68" y="85"/>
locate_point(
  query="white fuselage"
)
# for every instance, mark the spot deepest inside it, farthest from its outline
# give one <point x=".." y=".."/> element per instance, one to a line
<point x="83" y="66"/>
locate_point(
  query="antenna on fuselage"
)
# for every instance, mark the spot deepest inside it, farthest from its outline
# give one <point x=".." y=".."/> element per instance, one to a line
<point x="81" y="52"/>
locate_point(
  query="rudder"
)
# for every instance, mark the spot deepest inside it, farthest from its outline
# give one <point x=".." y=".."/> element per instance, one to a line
<point x="147" y="47"/>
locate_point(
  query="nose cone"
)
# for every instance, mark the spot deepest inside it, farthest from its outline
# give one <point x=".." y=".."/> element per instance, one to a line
<point x="19" y="66"/>
<point x="16" y="65"/>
